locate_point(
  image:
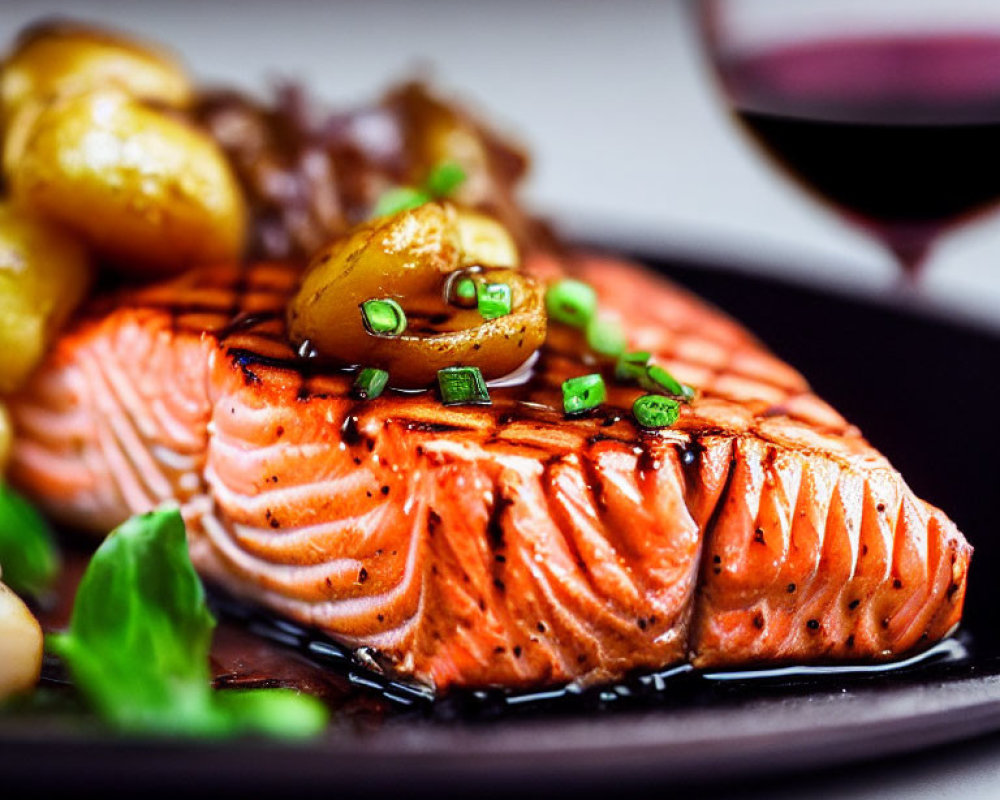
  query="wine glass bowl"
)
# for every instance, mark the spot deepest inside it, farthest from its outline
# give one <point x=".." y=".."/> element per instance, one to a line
<point x="890" y="112"/>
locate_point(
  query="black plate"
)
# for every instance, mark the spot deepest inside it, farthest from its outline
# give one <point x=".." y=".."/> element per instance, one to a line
<point x="924" y="389"/>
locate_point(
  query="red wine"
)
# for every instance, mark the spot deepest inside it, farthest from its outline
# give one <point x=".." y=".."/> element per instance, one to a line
<point x="901" y="133"/>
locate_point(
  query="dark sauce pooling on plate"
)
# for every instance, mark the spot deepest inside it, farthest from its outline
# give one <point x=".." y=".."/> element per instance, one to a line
<point x="677" y="686"/>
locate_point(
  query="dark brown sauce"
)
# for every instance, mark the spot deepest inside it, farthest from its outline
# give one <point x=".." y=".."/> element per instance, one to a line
<point x="248" y="321"/>
<point x="678" y="685"/>
<point x="253" y="648"/>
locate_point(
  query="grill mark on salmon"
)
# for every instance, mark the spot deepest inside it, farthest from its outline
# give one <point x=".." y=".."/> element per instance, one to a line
<point x="501" y="545"/>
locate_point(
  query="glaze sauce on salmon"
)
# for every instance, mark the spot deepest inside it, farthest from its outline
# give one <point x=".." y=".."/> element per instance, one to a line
<point x="504" y="545"/>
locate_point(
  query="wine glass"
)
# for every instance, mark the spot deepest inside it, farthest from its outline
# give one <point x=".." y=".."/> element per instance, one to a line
<point x="888" y="109"/>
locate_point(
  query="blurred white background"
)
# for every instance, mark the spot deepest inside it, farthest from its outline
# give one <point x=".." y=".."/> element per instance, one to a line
<point x="630" y="139"/>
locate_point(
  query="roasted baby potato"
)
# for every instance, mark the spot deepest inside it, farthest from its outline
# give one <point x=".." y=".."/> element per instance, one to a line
<point x="44" y="273"/>
<point x="148" y="192"/>
<point x="485" y="241"/>
<point x="59" y="59"/>
<point x="407" y="258"/>
<point x="64" y="58"/>
<point x="20" y="645"/>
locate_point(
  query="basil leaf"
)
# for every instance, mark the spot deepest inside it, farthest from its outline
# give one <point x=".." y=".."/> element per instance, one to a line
<point x="28" y="558"/>
<point x="139" y="640"/>
<point x="277" y="712"/>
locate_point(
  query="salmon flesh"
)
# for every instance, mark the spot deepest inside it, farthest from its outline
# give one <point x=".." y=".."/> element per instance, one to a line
<point x="502" y="545"/>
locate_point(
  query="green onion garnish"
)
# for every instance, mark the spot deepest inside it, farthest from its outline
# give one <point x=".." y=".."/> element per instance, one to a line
<point x="656" y="411"/>
<point x="465" y="290"/>
<point x="657" y="379"/>
<point x="632" y="366"/>
<point x="571" y="302"/>
<point x="462" y="386"/>
<point x="444" y="179"/>
<point x="383" y="317"/>
<point x="606" y="337"/>
<point x="461" y="290"/>
<point x="370" y="383"/>
<point x="583" y="393"/>
<point x="494" y="300"/>
<point x="399" y="198"/>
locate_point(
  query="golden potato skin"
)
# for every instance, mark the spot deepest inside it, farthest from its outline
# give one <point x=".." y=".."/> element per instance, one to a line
<point x="44" y="274"/>
<point x="149" y="192"/>
<point x="21" y="645"/>
<point x="407" y="257"/>
<point x="388" y="257"/>
<point x="59" y="58"/>
<point x="497" y="346"/>
<point x="486" y="240"/>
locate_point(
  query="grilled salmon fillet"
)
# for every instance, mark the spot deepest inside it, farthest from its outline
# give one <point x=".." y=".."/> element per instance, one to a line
<point x="502" y="545"/>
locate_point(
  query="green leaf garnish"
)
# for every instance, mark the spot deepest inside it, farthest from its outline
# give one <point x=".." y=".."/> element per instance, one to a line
<point x="28" y="558"/>
<point x="656" y="411"/>
<point x="383" y="317"/>
<point x="444" y="179"/>
<point x="632" y="366"/>
<point x="657" y="379"/>
<point x="399" y="198"/>
<point x="441" y="183"/>
<point x="583" y="393"/>
<point x="571" y="302"/>
<point x="605" y="336"/>
<point x="370" y="383"/>
<point x="462" y="386"/>
<point x="465" y="292"/>
<point x="494" y="300"/>
<point x="139" y="639"/>
<point x="276" y="712"/>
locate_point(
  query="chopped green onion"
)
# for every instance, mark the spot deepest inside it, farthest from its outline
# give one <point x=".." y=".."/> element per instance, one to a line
<point x="632" y="366"/>
<point x="399" y="198"/>
<point x="583" y="393"/>
<point x="462" y="386"/>
<point x="606" y="337"/>
<point x="494" y="300"/>
<point x="370" y="383"/>
<point x="465" y="290"/>
<point x="460" y="289"/>
<point x="444" y="179"/>
<point x="657" y="379"/>
<point x="571" y="302"/>
<point x="656" y="411"/>
<point x="383" y="317"/>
